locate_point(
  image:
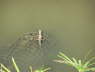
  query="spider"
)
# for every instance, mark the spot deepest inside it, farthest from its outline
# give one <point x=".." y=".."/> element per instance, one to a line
<point x="35" y="37"/>
<point x="28" y="40"/>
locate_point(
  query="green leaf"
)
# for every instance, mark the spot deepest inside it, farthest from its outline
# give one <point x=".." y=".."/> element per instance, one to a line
<point x="75" y="61"/>
<point x="77" y="64"/>
<point x="88" y="62"/>
<point x="15" y="65"/>
<point x="5" y="68"/>
<point x="30" y="67"/>
<point x="80" y="62"/>
<point x="67" y="58"/>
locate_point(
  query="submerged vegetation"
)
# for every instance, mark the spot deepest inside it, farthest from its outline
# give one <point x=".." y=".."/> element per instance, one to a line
<point x="6" y="69"/>
<point x="77" y="64"/>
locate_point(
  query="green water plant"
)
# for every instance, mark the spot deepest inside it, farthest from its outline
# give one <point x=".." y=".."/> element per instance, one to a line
<point x="39" y="70"/>
<point x="77" y="64"/>
<point x="3" y="68"/>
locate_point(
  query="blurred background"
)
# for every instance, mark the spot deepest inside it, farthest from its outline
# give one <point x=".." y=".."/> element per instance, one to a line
<point x="69" y="25"/>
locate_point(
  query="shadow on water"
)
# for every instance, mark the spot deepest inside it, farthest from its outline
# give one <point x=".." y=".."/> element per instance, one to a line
<point x="26" y="51"/>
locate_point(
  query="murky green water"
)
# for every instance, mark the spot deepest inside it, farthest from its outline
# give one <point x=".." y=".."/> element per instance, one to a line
<point x="70" y="26"/>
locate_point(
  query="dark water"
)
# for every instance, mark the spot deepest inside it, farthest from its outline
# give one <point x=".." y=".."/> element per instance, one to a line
<point x="69" y="25"/>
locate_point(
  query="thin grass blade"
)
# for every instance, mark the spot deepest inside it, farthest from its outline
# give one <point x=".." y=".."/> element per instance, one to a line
<point x="15" y="65"/>
<point x="5" y="68"/>
<point x="30" y="67"/>
<point x="75" y="61"/>
<point x="62" y="54"/>
<point x="88" y="62"/>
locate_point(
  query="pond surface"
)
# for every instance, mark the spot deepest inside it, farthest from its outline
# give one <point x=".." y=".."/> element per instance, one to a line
<point x="68" y="25"/>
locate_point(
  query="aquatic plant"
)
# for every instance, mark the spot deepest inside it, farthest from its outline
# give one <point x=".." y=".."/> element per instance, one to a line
<point x="6" y="69"/>
<point x="42" y="70"/>
<point x="77" y="64"/>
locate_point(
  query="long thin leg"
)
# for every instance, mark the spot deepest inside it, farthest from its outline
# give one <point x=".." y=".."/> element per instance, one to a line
<point x="13" y="47"/>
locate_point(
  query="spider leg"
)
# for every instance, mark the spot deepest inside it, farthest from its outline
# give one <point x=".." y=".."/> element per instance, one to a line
<point x="13" y="47"/>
